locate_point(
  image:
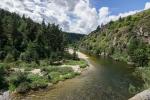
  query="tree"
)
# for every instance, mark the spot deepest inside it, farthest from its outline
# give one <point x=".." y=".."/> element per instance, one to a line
<point x="138" y="52"/>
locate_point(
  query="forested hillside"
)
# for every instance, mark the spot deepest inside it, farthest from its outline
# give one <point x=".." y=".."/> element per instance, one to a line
<point x="128" y="40"/>
<point x="21" y="38"/>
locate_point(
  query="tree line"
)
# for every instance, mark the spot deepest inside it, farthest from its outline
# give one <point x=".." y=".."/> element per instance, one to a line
<point x="23" y="39"/>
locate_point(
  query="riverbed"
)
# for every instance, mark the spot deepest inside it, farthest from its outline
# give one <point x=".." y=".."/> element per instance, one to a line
<point x="107" y="80"/>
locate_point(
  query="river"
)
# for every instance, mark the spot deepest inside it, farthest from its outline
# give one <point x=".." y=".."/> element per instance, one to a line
<point x="107" y="80"/>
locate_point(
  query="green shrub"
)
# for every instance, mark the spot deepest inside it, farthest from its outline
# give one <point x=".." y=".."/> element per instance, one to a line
<point x="9" y="58"/>
<point x="65" y="70"/>
<point x="12" y="87"/>
<point x="132" y="89"/>
<point x="54" y="74"/>
<point x="50" y="68"/>
<point x="83" y="65"/>
<point x="44" y="62"/>
<point x="37" y="81"/>
<point x="3" y="71"/>
<point x="2" y="54"/>
<point x="17" y="78"/>
<point x="23" y="87"/>
<point x="55" y="77"/>
<point x="69" y="75"/>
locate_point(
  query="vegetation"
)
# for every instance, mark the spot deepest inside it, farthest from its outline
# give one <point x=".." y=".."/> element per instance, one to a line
<point x="26" y="46"/>
<point x="24" y="80"/>
<point x="127" y="39"/>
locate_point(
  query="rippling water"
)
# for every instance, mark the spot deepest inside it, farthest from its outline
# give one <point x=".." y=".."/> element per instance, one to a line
<point x="109" y="80"/>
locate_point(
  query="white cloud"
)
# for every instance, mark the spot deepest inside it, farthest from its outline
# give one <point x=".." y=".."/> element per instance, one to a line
<point x="147" y="6"/>
<point x="72" y="15"/>
<point x="104" y="19"/>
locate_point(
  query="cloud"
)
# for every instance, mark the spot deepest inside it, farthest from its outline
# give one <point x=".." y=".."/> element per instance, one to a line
<point x="147" y="6"/>
<point x="105" y="17"/>
<point x="72" y="15"/>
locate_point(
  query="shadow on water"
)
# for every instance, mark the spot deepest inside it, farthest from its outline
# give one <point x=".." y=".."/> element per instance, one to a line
<point x="109" y="81"/>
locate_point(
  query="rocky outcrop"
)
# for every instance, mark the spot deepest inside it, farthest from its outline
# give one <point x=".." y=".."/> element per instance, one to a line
<point x="5" y="96"/>
<point x="145" y="95"/>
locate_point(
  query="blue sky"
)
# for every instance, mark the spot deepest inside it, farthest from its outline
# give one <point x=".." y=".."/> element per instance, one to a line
<point x="119" y="6"/>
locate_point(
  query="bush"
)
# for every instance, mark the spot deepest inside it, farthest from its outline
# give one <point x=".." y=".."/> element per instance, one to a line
<point x="9" y="58"/>
<point x="81" y="63"/>
<point x="138" y="52"/>
<point x="17" y="78"/>
<point x="132" y="89"/>
<point x="69" y="75"/>
<point x="56" y="76"/>
<point x="2" y="55"/>
<point x="3" y="83"/>
<point x="23" y="88"/>
<point x="37" y="81"/>
<point x="44" y="62"/>
<point x="65" y="70"/>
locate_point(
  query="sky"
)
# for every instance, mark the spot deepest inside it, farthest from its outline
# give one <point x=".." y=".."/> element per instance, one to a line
<point x="76" y="16"/>
<point x="120" y="6"/>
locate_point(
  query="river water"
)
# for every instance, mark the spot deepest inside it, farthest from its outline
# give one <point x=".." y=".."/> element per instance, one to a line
<point x="107" y="80"/>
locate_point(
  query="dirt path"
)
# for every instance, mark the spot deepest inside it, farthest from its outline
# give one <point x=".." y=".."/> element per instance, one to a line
<point x="80" y="55"/>
<point x="85" y="57"/>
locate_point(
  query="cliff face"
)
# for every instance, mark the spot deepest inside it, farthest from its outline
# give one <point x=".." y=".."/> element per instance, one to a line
<point x="127" y="39"/>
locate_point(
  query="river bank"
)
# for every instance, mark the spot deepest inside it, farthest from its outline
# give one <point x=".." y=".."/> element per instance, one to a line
<point x="76" y="69"/>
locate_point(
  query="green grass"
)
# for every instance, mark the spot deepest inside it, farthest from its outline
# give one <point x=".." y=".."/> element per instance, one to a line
<point x="81" y="63"/>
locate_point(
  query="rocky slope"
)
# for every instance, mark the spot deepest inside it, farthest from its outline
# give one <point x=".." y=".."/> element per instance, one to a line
<point x="127" y="39"/>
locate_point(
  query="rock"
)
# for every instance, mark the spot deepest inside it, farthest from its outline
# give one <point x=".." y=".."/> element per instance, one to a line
<point x="50" y="84"/>
<point x="145" y="95"/>
<point x="5" y="96"/>
<point x="37" y="71"/>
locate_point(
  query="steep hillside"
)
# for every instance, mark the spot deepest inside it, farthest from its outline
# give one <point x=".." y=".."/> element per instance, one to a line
<point x="127" y="39"/>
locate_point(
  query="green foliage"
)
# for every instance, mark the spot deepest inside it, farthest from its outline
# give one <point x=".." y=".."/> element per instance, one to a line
<point x="3" y="71"/>
<point x="37" y="81"/>
<point x="22" y="38"/>
<point x="138" y="52"/>
<point x="17" y="78"/>
<point x="81" y="63"/>
<point x="23" y="82"/>
<point x="9" y="58"/>
<point x="23" y="87"/>
<point x="132" y="89"/>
